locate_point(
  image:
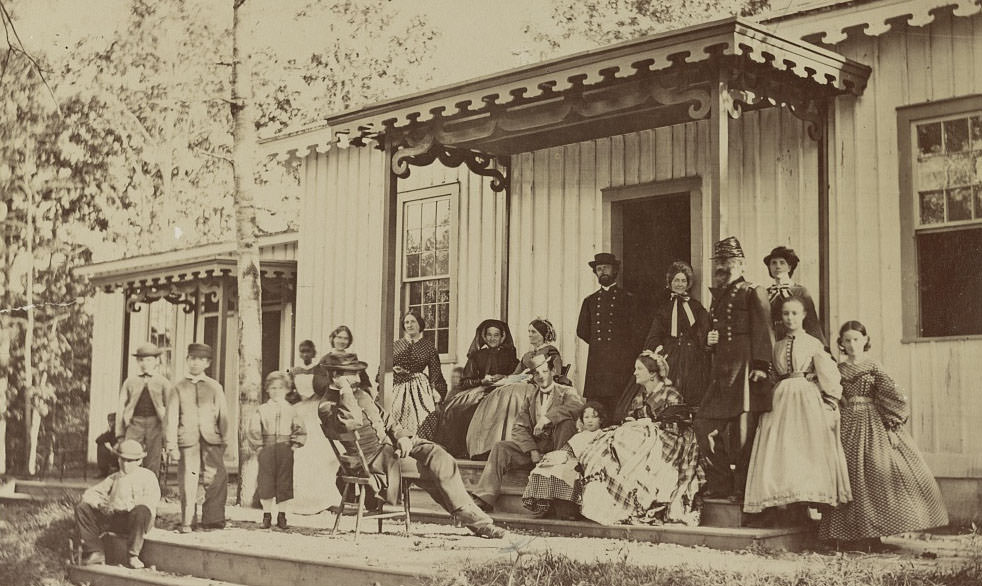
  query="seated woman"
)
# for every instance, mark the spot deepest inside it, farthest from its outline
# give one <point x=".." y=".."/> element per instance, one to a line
<point x="647" y="469"/>
<point x="495" y="415"/>
<point x="555" y="485"/>
<point x="491" y="356"/>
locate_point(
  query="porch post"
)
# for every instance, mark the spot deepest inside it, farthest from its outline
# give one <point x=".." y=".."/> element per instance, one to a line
<point x="719" y="153"/>
<point x="389" y="233"/>
<point x="219" y="361"/>
<point x="824" y="219"/>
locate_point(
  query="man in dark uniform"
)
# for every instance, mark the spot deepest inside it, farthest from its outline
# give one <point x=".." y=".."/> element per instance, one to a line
<point x="609" y="324"/>
<point x="739" y="389"/>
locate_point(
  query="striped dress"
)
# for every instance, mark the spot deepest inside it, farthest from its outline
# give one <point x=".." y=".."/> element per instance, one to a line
<point x="893" y="490"/>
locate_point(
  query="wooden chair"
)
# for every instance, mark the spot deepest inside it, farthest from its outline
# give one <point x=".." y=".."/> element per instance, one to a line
<point x="356" y="476"/>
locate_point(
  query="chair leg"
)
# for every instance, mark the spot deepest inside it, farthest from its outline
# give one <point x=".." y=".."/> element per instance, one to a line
<point x="359" y="489"/>
<point x="405" y="504"/>
<point x="337" y="517"/>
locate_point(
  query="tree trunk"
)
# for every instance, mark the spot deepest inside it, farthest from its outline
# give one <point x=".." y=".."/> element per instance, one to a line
<point x="249" y="287"/>
<point x="4" y="403"/>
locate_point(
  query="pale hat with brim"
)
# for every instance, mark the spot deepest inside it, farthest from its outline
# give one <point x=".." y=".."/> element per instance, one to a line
<point x="130" y="450"/>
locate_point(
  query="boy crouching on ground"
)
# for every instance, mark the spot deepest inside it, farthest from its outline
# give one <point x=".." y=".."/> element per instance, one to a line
<point x="276" y="430"/>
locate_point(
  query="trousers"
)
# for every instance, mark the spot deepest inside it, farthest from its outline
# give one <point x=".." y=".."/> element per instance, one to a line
<point x="725" y="445"/>
<point x="92" y="523"/>
<point x="203" y="463"/>
<point x="150" y="433"/>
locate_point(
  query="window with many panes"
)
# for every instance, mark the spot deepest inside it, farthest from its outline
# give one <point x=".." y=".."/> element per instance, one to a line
<point x="428" y="222"/>
<point x="941" y="184"/>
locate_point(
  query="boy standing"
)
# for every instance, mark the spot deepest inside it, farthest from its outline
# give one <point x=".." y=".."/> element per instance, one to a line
<point x="197" y="425"/>
<point x="143" y="406"/>
<point x="275" y="429"/>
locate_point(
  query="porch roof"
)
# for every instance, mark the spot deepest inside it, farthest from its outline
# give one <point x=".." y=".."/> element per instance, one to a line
<point x="742" y="43"/>
<point x="277" y="258"/>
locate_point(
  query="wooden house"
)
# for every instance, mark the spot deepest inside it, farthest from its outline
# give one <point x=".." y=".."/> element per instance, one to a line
<point x="848" y="130"/>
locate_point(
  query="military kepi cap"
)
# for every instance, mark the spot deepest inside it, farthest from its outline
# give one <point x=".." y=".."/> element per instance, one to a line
<point x="200" y="351"/>
<point x="728" y="248"/>
<point x="148" y="349"/>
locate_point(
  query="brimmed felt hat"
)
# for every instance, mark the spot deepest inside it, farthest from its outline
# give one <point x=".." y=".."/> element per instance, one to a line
<point x="728" y="247"/>
<point x="197" y="350"/>
<point x="347" y="362"/>
<point x="786" y="253"/>
<point x="604" y="258"/>
<point x="129" y="450"/>
<point x="148" y="349"/>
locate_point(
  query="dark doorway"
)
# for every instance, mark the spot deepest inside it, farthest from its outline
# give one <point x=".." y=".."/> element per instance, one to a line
<point x="271" y="341"/>
<point x="655" y="232"/>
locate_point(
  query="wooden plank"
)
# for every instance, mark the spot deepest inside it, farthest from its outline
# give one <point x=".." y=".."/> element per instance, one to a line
<point x="571" y="264"/>
<point x="631" y="158"/>
<point x="962" y="66"/>
<point x="718" y="159"/>
<point x="593" y="171"/>
<point x="678" y="150"/>
<point x="390" y="234"/>
<point x="691" y="149"/>
<point x="769" y="123"/>
<point x="617" y="161"/>
<point x="554" y="220"/>
<point x="942" y="82"/>
<point x="733" y="205"/>
<point x="648" y="156"/>
<point x="664" y="153"/>
<point x="918" y="65"/>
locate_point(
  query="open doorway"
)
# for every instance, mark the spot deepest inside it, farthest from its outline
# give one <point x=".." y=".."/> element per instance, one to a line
<point x="655" y="232"/>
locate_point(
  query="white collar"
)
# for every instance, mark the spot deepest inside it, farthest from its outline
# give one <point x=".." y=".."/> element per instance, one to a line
<point x="196" y="379"/>
<point x="548" y="389"/>
<point x="608" y="287"/>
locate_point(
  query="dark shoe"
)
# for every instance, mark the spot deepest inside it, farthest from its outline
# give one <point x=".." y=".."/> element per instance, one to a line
<point x="281" y="521"/>
<point x="478" y="522"/>
<point x="267" y="521"/>
<point x="213" y="525"/>
<point x="135" y="563"/>
<point x="482" y="504"/>
<point x="93" y="558"/>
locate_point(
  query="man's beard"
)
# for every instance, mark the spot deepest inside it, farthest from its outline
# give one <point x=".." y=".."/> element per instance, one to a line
<point x="606" y="280"/>
<point x="721" y="276"/>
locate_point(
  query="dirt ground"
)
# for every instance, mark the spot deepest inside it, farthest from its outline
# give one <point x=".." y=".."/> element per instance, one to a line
<point x="441" y="548"/>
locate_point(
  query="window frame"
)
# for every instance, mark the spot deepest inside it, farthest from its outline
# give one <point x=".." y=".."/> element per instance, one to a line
<point x="451" y="191"/>
<point x="908" y="117"/>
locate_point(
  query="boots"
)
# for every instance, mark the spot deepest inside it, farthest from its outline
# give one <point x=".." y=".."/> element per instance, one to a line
<point x="478" y="522"/>
<point x="281" y="521"/>
<point x="267" y="521"/>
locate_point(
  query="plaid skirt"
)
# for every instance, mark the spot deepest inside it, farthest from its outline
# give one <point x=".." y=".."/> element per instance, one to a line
<point x="557" y="479"/>
<point x="414" y="406"/>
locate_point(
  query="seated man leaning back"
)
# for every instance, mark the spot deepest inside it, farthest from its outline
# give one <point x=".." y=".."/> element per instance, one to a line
<point x="545" y="422"/>
<point x="348" y="406"/>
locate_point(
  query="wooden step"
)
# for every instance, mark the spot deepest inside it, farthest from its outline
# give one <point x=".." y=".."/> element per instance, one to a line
<point x="726" y="538"/>
<point x="51" y="489"/>
<point x="105" y="575"/>
<point x="231" y="566"/>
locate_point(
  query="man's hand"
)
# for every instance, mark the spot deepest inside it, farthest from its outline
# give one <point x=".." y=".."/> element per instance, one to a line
<point x="173" y="454"/>
<point x="757" y="375"/>
<point x="404" y="445"/>
<point x="536" y="456"/>
<point x="712" y="338"/>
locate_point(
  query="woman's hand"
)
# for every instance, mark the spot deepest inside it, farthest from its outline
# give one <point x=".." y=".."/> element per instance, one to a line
<point x="398" y="369"/>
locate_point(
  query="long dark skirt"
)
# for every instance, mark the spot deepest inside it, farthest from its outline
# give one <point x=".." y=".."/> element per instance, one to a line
<point x="457" y="415"/>
<point x="275" y="472"/>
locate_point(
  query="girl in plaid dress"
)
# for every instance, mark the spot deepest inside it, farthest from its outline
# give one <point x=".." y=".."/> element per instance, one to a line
<point x="556" y="483"/>
<point x="893" y="490"/>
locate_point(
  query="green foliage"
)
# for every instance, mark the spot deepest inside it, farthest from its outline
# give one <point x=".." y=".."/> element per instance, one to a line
<point x="584" y="24"/>
<point x="555" y="569"/>
<point x="34" y="542"/>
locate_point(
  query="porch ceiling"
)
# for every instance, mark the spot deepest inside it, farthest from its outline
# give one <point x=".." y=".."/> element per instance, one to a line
<point x="674" y="69"/>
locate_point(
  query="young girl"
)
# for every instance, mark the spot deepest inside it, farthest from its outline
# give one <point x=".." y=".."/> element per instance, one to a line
<point x="275" y="429"/>
<point x="797" y="457"/>
<point x="893" y="490"/>
<point x="556" y="483"/>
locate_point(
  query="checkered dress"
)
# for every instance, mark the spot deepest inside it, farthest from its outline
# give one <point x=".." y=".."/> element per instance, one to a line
<point x="642" y="471"/>
<point x="893" y="490"/>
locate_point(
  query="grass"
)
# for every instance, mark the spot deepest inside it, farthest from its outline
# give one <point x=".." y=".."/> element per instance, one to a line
<point x="34" y="542"/>
<point x="553" y="569"/>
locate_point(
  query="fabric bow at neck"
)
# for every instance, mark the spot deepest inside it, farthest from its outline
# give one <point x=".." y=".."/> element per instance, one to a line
<point x="779" y="290"/>
<point x="680" y="300"/>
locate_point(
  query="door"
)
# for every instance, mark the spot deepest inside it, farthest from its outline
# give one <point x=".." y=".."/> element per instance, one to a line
<point x="655" y="232"/>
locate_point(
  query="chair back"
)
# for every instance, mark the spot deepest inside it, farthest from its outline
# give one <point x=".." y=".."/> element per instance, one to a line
<point x="355" y="446"/>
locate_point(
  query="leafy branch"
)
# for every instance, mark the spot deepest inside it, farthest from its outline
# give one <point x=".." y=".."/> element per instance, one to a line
<point x="8" y="28"/>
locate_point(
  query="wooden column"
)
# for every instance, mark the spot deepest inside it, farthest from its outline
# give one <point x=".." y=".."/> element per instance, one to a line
<point x="390" y="233"/>
<point x="219" y="361"/>
<point x="719" y="153"/>
<point x="824" y="284"/>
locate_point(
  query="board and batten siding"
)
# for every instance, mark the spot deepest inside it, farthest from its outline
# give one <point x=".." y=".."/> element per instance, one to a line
<point x="340" y="260"/>
<point x="913" y="65"/>
<point x="107" y="358"/>
<point x="557" y="221"/>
